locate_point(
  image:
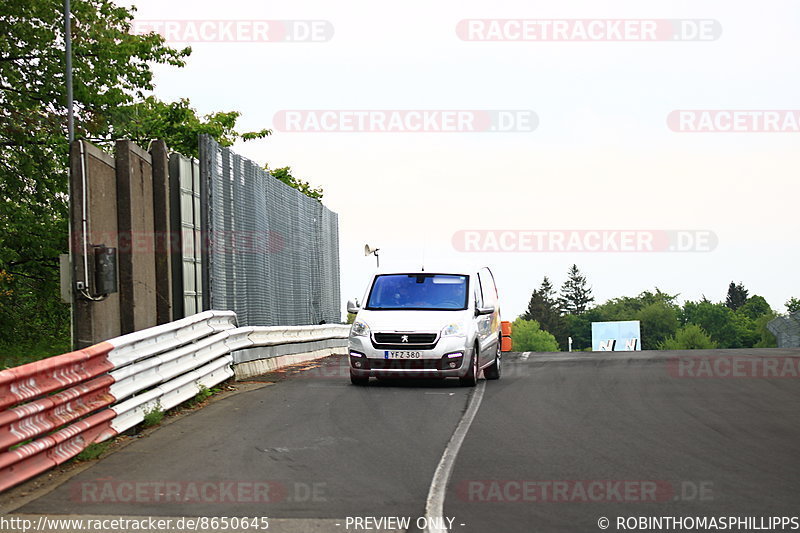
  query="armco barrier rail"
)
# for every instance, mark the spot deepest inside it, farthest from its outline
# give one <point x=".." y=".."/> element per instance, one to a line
<point x="51" y="410"/>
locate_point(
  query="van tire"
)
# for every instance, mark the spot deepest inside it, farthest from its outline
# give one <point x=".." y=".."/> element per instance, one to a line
<point x="471" y="379"/>
<point x="493" y="371"/>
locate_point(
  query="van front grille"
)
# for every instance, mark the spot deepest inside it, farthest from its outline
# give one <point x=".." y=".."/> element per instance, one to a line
<point x="404" y="341"/>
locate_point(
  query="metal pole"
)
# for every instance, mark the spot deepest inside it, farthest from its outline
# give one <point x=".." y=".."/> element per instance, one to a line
<point x="68" y="53"/>
<point x="71" y="137"/>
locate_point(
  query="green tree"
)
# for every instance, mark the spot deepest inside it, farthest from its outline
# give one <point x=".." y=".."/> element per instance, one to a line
<point x="543" y="308"/>
<point x="658" y="320"/>
<point x="749" y="324"/>
<point x="111" y="68"/>
<point x="793" y="305"/>
<point x="579" y="327"/>
<point x="766" y="338"/>
<point x="746" y="329"/>
<point x="688" y="337"/>
<point x="754" y="307"/>
<point x="284" y="174"/>
<point x="177" y="123"/>
<point x="628" y="307"/>
<point x="656" y="311"/>
<point x="112" y="75"/>
<point x="527" y="336"/>
<point x="736" y="297"/>
<point x="716" y="319"/>
<point x="575" y="294"/>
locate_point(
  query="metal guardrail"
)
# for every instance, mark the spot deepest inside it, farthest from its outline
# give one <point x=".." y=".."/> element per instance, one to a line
<point x="53" y="409"/>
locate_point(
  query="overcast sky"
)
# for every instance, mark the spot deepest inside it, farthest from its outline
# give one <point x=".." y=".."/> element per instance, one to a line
<point x="600" y="155"/>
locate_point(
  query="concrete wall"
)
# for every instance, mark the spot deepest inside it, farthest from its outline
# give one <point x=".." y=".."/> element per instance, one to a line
<point x="127" y="208"/>
<point x="137" y="268"/>
<point x="262" y="359"/>
<point x="93" y="321"/>
<point x="165" y="239"/>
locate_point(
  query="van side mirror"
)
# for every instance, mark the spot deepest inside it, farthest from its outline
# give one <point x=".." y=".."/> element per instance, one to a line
<point x="488" y="310"/>
<point x="353" y="307"/>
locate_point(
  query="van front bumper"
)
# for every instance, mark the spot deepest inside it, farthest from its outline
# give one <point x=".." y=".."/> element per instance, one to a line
<point x="449" y="358"/>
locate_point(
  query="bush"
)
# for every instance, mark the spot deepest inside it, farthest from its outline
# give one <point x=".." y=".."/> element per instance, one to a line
<point x="716" y="320"/>
<point x="766" y="338"/>
<point x="93" y="451"/>
<point x="23" y="352"/>
<point x="153" y="416"/>
<point x="526" y="336"/>
<point x="689" y="337"/>
<point x="203" y="393"/>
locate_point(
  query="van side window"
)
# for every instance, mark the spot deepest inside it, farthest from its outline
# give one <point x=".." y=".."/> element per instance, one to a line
<point x="488" y="288"/>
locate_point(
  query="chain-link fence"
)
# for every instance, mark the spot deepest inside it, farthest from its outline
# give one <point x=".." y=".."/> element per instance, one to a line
<point x="786" y="330"/>
<point x="272" y="252"/>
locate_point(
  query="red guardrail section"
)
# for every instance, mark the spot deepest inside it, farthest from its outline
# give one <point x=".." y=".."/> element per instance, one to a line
<point x="42" y="454"/>
<point x="79" y="376"/>
<point x="46" y="414"/>
<point x="29" y="381"/>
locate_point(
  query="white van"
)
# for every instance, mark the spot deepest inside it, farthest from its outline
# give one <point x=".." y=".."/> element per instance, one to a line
<point x="427" y="324"/>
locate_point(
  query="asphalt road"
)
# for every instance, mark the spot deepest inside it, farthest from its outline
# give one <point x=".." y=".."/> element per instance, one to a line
<point x="558" y="443"/>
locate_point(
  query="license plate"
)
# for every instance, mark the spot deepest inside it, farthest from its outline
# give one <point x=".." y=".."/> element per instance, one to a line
<point x="401" y="355"/>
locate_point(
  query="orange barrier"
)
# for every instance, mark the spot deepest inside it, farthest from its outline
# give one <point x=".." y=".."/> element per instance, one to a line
<point x="505" y="344"/>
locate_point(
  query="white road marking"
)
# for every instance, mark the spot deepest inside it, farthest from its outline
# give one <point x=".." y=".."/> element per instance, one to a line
<point x="434" y="505"/>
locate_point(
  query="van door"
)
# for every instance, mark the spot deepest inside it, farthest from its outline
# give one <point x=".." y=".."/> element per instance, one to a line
<point x="482" y="322"/>
<point x="492" y="325"/>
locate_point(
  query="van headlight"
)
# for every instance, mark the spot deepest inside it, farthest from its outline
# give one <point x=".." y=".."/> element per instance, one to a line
<point x="456" y="329"/>
<point x="359" y="329"/>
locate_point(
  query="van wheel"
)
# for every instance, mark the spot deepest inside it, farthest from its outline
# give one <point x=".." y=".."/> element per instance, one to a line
<point x="471" y="379"/>
<point x="493" y="371"/>
<point x="358" y="380"/>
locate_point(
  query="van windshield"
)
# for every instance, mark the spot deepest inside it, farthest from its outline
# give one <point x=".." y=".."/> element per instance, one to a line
<point x="444" y="292"/>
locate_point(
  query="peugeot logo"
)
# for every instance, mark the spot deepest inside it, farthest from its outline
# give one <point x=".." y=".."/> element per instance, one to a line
<point x="404" y="338"/>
